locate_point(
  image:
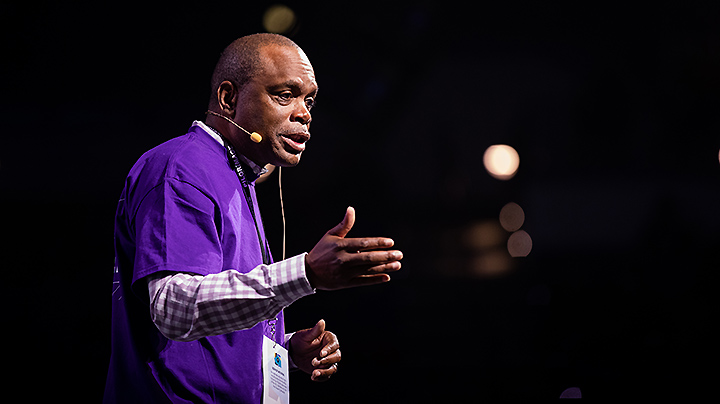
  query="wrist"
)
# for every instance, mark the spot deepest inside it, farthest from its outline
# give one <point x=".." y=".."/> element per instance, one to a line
<point x="312" y="280"/>
<point x="291" y="352"/>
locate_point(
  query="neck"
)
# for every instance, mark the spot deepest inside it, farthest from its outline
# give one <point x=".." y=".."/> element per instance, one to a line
<point x="257" y="169"/>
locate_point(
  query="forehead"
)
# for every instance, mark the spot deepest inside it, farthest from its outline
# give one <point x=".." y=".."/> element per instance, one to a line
<point x="283" y="64"/>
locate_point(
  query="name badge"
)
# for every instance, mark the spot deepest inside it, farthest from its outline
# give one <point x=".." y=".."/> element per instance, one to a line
<point x="276" y="376"/>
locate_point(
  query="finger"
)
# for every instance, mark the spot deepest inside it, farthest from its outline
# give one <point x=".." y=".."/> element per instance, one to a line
<point x="332" y="346"/>
<point x="311" y="336"/>
<point x="389" y="267"/>
<point x="367" y="280"/>
<point x="372" y="258"/>
<point x="343" y="228"/>
<point x="364" y="244"/>
<point x="322" y="375"/>
<point x="327" y="361"/>
<point x="371" y="270"/>
<point x="317" y="331"/>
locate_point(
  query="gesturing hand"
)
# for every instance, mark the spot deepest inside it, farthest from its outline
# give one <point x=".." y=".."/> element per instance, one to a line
<point x="316" y="352"/>
<point x="337" y="262"/>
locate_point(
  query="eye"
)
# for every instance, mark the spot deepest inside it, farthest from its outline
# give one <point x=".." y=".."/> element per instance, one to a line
<point x="310" y="102"/>
<point x="285" y="97"/>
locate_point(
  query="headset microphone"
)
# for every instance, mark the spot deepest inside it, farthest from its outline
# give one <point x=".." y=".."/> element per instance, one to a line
<point x="254" y="136"/>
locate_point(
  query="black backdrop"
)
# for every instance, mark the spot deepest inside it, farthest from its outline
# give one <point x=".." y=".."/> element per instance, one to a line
<point x="612" y="108"/>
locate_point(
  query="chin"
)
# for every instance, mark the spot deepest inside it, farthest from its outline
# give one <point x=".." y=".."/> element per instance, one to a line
<point x="291" y="161"/>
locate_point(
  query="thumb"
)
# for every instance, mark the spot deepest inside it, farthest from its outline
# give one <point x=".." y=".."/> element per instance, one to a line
<point x="342" y="229"/>
<point x="316" y="331"/>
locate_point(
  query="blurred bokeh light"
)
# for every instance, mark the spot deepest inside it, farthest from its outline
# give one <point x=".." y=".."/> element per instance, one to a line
<point x="279" y="19"/>
<point x="484" y="243"/>
<point x="519" y="244"/>
<point x="512" y="217"/>
<point x="501" y="161"/>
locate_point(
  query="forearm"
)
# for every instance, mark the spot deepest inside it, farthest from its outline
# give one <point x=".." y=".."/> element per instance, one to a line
<point x="186" y="307"/>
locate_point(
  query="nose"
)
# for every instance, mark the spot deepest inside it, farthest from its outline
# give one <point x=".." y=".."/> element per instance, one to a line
<point x="301" y="113"/>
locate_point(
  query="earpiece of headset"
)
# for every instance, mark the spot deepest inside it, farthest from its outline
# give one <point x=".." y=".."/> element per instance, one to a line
<point x="254" y="136"/>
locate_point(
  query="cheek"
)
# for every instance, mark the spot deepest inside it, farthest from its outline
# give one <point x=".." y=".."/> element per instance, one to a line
<point x="273" y="120"/>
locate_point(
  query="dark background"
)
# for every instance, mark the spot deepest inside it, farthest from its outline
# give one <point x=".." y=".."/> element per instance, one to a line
<point x="613" y="109"/>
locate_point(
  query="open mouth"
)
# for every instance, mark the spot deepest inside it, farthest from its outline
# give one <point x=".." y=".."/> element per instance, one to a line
<point x="296" y="141"/>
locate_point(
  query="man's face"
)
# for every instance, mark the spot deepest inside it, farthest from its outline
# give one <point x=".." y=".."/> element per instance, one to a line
<point x="276" y="103"/>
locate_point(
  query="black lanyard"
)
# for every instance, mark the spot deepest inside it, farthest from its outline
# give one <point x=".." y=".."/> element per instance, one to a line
<point x="232" y="156"/>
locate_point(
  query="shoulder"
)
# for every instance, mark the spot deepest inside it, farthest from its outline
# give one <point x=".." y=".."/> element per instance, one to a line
<point x="194" y="158"/>
<point x="187" y="158"/>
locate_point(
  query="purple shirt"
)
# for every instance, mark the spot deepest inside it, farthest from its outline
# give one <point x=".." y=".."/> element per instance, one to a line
<point x="182" y="210"/>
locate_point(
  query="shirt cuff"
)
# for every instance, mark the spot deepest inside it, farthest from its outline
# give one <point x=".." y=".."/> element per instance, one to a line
<point x="289" y="280"/>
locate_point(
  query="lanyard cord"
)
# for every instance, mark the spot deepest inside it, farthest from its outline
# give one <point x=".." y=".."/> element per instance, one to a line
<point x="248" y="197"/>
<point x="282" y="209"/>
<point x="232" y="155"/>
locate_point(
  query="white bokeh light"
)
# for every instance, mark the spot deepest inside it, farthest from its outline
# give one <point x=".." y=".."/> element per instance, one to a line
<point x="501" y="161"/>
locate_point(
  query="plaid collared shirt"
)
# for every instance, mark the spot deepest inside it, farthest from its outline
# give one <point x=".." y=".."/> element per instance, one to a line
<point x="186" y="307"/>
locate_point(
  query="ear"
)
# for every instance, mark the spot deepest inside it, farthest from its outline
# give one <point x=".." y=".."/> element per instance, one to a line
<point x="227" y="97"/>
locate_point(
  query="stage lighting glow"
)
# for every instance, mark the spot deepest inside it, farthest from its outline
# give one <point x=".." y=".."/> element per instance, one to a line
<point x="484" y="242"/>
<point x="512" y="217"/>
<point x="491" y="264"/>
<point x="519" y="244"/>
<point x="501" y="161"/>
<point x="279" y="19"/>
<point x="484" y="236"/>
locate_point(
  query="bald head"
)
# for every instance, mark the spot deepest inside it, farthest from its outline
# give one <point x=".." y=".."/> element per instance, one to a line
<point x="242" y="60"/>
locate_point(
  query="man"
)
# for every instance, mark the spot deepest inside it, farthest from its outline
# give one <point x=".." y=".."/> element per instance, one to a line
<point x="196" y="296"/>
